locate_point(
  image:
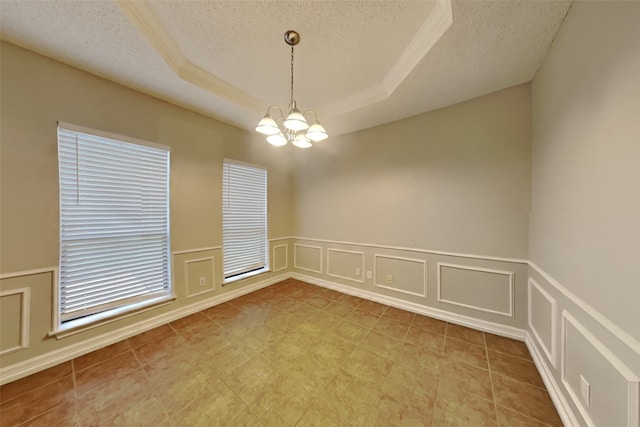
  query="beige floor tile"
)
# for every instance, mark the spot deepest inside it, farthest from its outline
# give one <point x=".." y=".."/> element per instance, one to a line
<point x="362" y="318"/>
<point x="429" y="324"/>
<point x="463" y="351"/>
<point x="391" y="328"/>
<point x="32" y="382"/>
<point x="515" y="367"/>
<point x="507" y="345"/>
<point x="509" y="418"/>
<point x="525" y="398"/>
<point x="373" y="307"/>
<point x="35" y="402"/>
<point x="289" y="354"/>
<point x="398" y="315"/>
<point x="463" y="411"/>
<point x="457" y="378"/>
<point x="465" y="334"/>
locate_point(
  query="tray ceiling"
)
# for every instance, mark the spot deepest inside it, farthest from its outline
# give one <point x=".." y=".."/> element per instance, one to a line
<point x="359" y="63"/>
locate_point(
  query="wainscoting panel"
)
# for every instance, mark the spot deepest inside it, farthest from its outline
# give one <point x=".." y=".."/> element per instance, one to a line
<point x="404" y="275"/>
<point x="199" y="276"/>
<point x="542" y="308"/>
<point x="280" y="257"/>
<point x="343" y="264"/>
<point x="15" y="307"/>
<point x="612" y="398"/>
<point x="308" y="258"/>
<point x="481" y="289"/>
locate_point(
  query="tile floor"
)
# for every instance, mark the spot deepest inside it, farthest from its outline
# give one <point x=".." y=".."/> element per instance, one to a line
<point x="292" y="354"/>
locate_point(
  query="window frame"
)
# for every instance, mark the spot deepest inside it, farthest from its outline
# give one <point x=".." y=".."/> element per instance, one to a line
<point x="62" y="326"/>
<point x="266" y="267"/>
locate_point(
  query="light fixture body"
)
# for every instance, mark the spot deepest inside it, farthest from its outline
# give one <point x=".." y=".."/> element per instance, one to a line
<point x="294" y="128"/>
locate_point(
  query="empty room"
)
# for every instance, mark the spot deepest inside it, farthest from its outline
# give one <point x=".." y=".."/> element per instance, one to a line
<point x="320" y="213"/>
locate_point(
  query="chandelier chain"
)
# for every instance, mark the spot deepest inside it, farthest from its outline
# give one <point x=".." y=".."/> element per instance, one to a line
<point x="292" y="102"/>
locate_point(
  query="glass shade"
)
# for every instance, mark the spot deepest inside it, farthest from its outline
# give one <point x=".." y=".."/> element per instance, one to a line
<point x="301" y="141"/>
<point x="295" y="121"/>
<point x="277" y="140"/>
<point x="316" y="133"/>
<point x="267" y="126"/>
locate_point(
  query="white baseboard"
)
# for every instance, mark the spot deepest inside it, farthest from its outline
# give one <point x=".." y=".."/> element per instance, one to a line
<point x="35" y="364"/>
<point x="483" y="325"/>
<point x="555" y="392"/>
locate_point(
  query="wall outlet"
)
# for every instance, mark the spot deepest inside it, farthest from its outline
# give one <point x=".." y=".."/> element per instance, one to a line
<point x="203" y="281"/>
<point x="389" y="279"/>
<point x="357" y="271"/>
<point x="369" y="274"/>
<point x="585" y="390"/>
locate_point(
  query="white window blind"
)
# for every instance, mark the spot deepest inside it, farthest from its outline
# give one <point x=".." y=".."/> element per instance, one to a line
<point x="244" y="218"/>
<point x="114" y="223"/>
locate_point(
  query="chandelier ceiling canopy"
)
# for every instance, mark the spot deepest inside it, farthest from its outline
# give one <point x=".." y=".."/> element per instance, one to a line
<point x="294" y="128"/>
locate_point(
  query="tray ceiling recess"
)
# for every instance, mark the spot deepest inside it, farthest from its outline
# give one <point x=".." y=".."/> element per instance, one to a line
<point x="358" y="65"/>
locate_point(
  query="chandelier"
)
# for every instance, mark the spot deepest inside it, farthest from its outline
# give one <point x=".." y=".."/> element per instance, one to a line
<point x="294" y="128"/>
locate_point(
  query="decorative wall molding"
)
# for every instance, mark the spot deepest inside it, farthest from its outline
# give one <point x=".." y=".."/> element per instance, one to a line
<point x="551" y="353"/>
<point x="633" y="382"/>
<point x="295" y="257"/>
<point x="286" y="257"/>
<point x="511" y="290"/>
<point x="416" y="250"/>
<point x="361" y="254"/>
<point x="384" y="286"/>
<point x="459" y="319"/>
<point x="25" y="316"/>
<point x="614" y="329"/>
<point x="186" y="276"/>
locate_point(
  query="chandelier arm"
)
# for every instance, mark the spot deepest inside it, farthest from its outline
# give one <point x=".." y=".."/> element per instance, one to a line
<point x="279" y="111"/>
<point x="315" y="116"/>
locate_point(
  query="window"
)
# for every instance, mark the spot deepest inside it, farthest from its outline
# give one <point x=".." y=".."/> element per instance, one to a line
<point x="114" y="223"/>
<point x="244" y="219"/>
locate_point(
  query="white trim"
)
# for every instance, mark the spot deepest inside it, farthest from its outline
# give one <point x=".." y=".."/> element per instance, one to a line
<point x="553" y="388"/>
<point x="459" y="319"/>
<point x="190" y="251"/>
<point x="384" y="286"/>
<point x="509" y="274"/>
<point x="186" y="276"/>
<point x="38" y="363"/>
<point x="110" y="135"/>
<point x="286" y="257"/>
<point x="629" y="376"/>
<point x="275" y="239"/>
<point x="615" y="330"/>
<point x="82" y="324"/>
<point x="32" y="272"/>
<point x="418" y="250"/>
<point x="295" y="257"/>
<point x="361" y="280"/>
<point x="25" y="316"/>
<point x="550" y="353"/>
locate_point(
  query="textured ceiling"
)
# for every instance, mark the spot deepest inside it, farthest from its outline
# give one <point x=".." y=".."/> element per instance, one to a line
<point x="359" y="63"/>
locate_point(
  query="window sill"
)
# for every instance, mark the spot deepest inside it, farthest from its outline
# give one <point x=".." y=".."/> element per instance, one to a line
<point x="244" y="276"/>
<point x="83" y="324"/>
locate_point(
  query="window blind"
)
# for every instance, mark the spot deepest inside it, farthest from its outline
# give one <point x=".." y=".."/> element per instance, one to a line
<point x="244" y="218"/>
<point x="114" y="223"/>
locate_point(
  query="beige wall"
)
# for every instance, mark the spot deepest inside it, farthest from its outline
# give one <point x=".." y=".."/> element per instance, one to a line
<point x="584" y="230"/>
<point x="455" y="179"/>
<point x="36" y="93"/>
<point x="586" y="160"/>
